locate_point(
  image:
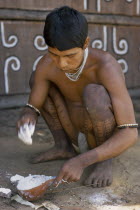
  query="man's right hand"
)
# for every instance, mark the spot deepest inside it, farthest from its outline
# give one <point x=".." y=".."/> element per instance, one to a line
<point x="26" y="125"/>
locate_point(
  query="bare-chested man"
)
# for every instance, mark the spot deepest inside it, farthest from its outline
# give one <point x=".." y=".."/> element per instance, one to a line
<point x="79" y="89"/>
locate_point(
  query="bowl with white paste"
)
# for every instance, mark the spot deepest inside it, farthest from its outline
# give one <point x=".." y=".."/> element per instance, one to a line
<point x="34" y="187"/>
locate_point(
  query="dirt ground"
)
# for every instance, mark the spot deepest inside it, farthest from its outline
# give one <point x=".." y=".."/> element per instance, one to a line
<point x="123" y="194"/>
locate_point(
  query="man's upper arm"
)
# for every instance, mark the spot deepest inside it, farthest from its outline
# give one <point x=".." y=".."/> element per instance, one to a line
<point x="111" y="77"/>
<point x="40" y="86"/>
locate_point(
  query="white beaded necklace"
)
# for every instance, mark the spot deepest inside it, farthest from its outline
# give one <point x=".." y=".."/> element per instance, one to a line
<point x="75" y="76"/>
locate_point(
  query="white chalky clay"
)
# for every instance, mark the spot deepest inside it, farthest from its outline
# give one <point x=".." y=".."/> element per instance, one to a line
<point x="5" y="192"/>
<point x="25" y="133"/>
<point x="20" y="200"/>
<point x="16" y="178"/>
<point x="32" y="181"/>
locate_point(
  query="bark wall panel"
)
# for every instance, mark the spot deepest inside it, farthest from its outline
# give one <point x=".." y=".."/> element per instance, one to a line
<point x="127" y="7"/>
<point x="122" y="42"/>
<point x="19" y="60"/>
<point x="22" y="44"/>
<point x="40" y="4"/>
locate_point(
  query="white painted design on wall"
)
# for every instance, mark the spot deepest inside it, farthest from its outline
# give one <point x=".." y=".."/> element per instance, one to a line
<point x="123" y="45"/>
<point x="98" y="5"/>
<point x="39" y="43"/>
<point x="124" y="65"/>
<point x="97" y="43"/>
<point x="36" y="62"/>
<point x="15" y="66"/>
<point x="129" y="1"/>
<point x="105" y="37"/>
<point x="138" y="7"/>
<point x="13" y="40"/>
<point x="85" y="4"/>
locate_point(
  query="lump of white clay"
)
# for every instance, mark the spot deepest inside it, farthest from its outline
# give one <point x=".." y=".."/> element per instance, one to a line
<point x="25" y="133"/>
<point x="15" y="179"/>
<point x="5" y="192"/>
<point x="20" y="200"/>
<point x="47" y="204"/>
<point x="32" y="181"/>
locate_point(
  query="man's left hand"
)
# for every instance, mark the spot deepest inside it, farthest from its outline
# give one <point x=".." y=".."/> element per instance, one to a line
<point x="71" y="171"/>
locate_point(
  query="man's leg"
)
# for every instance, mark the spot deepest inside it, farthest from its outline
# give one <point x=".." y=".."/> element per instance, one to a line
<point x="53" y="111"/>
<point x="99" y="108"/>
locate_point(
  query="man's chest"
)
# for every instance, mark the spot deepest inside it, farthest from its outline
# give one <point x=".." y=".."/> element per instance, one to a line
<point x="72" y="90"/>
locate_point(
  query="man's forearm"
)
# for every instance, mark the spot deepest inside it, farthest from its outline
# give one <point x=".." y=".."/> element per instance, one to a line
<point x="39" y="94"/>
<point x="113" y="147"/>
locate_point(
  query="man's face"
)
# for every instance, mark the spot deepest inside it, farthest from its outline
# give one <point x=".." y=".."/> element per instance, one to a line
<point x="68" y="60"/>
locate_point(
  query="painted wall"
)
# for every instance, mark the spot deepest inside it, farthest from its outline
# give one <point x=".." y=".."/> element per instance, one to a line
<point x="114" y="26"/>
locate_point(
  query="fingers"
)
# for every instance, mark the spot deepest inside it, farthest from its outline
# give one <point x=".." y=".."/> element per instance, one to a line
<point x="32" y="128"/>
<point x="27" y="117"/>
<point x="25" y="132"/>
<point x="25" y="120"/>
<point x="25" y="135"/>
<point x="66" y="178"/>
<point x="25" y="128"/>
<point x="70" y="172"/>
<point x="58" y="179"/>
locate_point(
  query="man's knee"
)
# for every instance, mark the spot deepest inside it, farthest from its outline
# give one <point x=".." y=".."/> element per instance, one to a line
<point x="31" y="80"/>
<point x="96" y="97"/>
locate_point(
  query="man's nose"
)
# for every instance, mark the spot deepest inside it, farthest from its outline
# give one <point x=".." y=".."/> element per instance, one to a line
<point x="62" y="63"/>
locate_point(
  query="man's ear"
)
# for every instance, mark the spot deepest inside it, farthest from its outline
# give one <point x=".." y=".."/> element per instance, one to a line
<point x="86" y="42"/>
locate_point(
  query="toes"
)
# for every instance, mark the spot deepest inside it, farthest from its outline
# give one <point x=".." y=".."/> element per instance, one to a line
<point x="99" y="183"/>
<point x="109" y="182"/>
<point x="95" y="183"/>
<point x="89" y="180"/>
<point x="104" y="183"/>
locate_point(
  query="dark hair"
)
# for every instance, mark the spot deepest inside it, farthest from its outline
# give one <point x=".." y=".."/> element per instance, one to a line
<point x="65" y="28"/>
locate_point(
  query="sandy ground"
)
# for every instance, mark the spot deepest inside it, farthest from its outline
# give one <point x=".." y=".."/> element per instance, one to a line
<point x="123" y="194"/>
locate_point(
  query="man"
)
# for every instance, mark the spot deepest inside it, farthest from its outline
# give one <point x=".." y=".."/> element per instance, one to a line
<point x="80" y="90"/>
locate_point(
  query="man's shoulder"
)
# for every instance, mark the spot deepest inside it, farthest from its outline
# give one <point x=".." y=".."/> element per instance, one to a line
<point x="44" y="65"/>
<point x="106" y="64"/>
<point x="100" y="56"/>
<point x="44" y="62"/>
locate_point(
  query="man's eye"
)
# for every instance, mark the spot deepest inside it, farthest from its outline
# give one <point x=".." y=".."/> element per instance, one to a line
<point x="70" y="56"/>
<point x="54" y="55"/>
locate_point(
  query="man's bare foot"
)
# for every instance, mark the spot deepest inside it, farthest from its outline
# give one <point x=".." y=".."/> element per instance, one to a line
<point x="53" y="154"/>
<point x="101" y="175"/>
